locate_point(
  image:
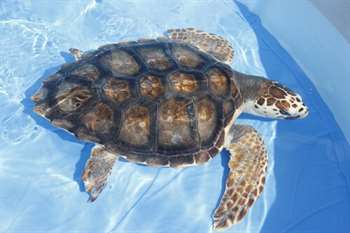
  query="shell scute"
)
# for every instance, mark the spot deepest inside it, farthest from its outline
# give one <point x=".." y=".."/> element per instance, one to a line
<point x="99" y="119"/>
<point x="155" y="58"/>
<point x="219" y="82"/>
<point x="151" y="86"/>
<point x="135" y="126"/>
<point x="119" y="62"/>
<point x="184" y="82"/>
<point x="155" y="102"/>
<point x="175" y="124"/>
<point x="117" y="90"/>
<point x="187" y="57"/>
<point x="88" y="71"/>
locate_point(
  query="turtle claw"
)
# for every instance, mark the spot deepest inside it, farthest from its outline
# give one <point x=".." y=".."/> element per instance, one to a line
<point x="221" y="224"/>
<point x="94" y="189"/>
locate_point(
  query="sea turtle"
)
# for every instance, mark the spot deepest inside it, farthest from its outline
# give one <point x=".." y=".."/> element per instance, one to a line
<point x="168" y="102"/>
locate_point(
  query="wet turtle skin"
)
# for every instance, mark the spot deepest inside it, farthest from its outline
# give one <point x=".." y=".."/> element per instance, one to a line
<point x="156" y="102"/>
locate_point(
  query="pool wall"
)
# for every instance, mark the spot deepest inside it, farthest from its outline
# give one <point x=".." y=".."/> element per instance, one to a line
<point x="315" y="34"/>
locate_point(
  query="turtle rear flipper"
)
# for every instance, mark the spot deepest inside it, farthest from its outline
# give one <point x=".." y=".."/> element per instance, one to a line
<point x="97" y="170"/>
<point x="213" y="44"/>
<point x="246" y="178"/>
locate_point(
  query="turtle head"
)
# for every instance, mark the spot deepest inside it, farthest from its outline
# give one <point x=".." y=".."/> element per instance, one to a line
<point x="278" y="101"/>
<point x="268" y="98"/>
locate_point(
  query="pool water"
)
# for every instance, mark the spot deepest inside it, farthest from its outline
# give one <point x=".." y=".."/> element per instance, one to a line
<point x="307" y="186"/>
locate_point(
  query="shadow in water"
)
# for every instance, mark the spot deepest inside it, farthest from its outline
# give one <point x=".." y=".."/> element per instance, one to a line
<point x="28" y="106"/>
<point x="224" y="157"/>
<point x="79" y="166"/>
<point x="312" y="165"/>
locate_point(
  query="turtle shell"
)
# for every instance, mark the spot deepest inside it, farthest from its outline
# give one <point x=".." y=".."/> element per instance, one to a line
<point x="157" y="102"/>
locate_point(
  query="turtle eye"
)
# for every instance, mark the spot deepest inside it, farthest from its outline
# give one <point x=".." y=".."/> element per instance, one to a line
<point x="77" y="105"/>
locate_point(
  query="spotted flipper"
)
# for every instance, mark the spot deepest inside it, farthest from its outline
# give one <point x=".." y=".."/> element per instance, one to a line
<point x="208" y="42"/>
<point x="246" y="178"/>
<point x="97" y="170"/>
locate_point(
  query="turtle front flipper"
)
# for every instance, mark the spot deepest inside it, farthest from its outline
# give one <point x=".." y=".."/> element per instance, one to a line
<point x="97" y="170"/>
<point x="210" y="43"/>
<point x="246" y="178"/>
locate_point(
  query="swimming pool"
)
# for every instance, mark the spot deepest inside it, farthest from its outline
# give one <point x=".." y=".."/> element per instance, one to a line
<point x="40" y="166"/>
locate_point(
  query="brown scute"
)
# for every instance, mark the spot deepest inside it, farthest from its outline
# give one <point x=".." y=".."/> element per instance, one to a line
<point x="213" y="151"/>
<point x="228" y="107"/>
<point x="261" y="101"/>
<point x="117" y="90"/>
<point x="186" y="57"/>
<point x="83" y="134"/>
<point x="155" y="58"/>
<point x="182" y="82"/>
<point x="135" y="128"/>
<point x="174" y="124"/>
<point x="120" y="63"/>
<point x="206" y="119"/>
<point x="62" y="123"/>
<point x="201" y="157"/>
<point x="151" y="86"/>
<point x="87" y="71"/>
<point x="65" y="88"/>
<point x="157" y="161"/>
<point x="40" y="95"/>
<point x="71" y="97"/>
<point x="180" y="161"/>
<point x="270" y="101"/>
<point x="99" y="120"/>
<point x="147" y="101"/>
<point x="218" y="82"/>
<point x="234" y="89"/>
<point x="277" y="92"/>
